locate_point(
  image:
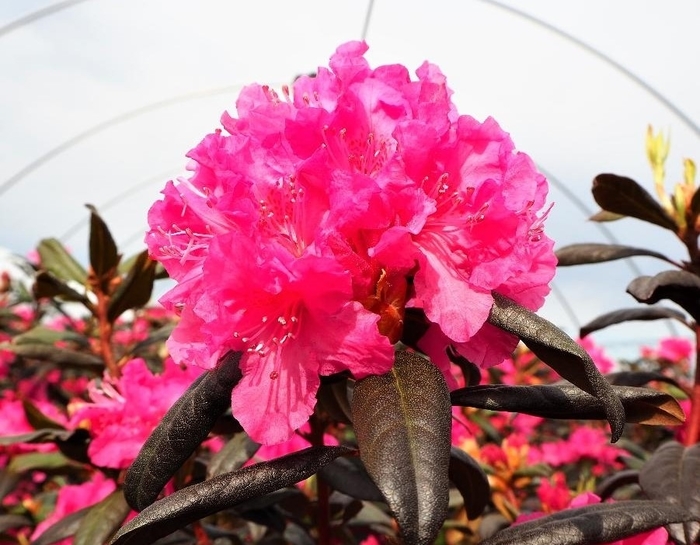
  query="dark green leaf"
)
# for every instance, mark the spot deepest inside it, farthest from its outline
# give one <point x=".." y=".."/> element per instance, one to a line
<point x="582" y="254"/>
<point x="200" y="500"/>
<point x="349" y="476"/>
<point x="672" y="475"/>
<point x="135" y="291"/>
<point x="38" y="436"/>
<point x="102" y="520"/>
<point x="561" y="353"/>
<point x="56" y="259"/>
<point x="104" y="257"/>
<point x="13" y="521"/>
<point x="37" y="419"/>
<point x="607" y="487"/>
<point x="180" y="432"/>
<point x="630" y="314"/>
<point x="236" y="452"/>
<point x="622" y="195"/>
<point x="471" y="481"/>
<point x="59" y="356"/>
<point x="43" y="461"/>
<point x="66" y="527"/>
<point x="681" y="287"/>
<point x="8" y="482"/>
<point x="598" y="523"/>
<point x="43" y="335"/>
<point x="402" y="421"/>
<point x="47" y="285"/>
<point x="604" y="216"/>
<point x="565" y="401"/>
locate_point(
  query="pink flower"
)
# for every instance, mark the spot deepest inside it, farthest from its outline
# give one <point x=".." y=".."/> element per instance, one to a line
<point x="124" y="412"/>
<point x="72" y="498"/>
<point x="304" y="233"/>
<point x="672" y="349"/>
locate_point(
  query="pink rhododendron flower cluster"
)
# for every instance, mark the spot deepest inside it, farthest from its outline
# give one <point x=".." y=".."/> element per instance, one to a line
<point x="320" y="214"/>
<point x="125" y="411"/>
<point x="673" y="349"/>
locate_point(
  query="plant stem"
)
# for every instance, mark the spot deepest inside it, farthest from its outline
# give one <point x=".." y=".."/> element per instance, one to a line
<point x="105" y="329"/>
<point x="693" y="429"/>
<point x="322" y="491"/>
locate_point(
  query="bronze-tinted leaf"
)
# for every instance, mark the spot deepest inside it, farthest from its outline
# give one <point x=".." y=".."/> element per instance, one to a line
<point x="622" y="195"/>
<point x="631" y="314"/>
<point x="561" y="353"/>
<point x="695" y="204"/>
<point x="180" y="432"/>
<point x="672" y="475"/>
<point x="582" y="254"/>
<point x="681" y="287"/>
<point x="104" y="257"/>
<point x="37" y="419"/>
<point x="349" y="476"/>
<point x="639" y="378"/>
<point x="565" y="401"/>
<point x="471" y="481"/>
<point x="8" y="522"/>
<point x="236" y="452"/>
<point x="608" y="485"/>
<point x="59" y="356"/>
<point x="48" y="285"/>
<point x="402" y="421"/>
<point x="135" y="291"/>
<point x="222" y="492"/>
<point x="102" y="520"/>
<point x="598" y="523"/>
<point x="66" y="527"/>
<point x="56" y="259"/>
<point x="36" y="436"/>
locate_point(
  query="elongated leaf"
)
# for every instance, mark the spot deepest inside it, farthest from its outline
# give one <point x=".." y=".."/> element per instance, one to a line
<point x="48" y="285"/>
<point x="222" y="492"/>
<point x="56" y="259"/>
<point x="135" y="291"/>
<point x="332" y="399"/>
<point x="104" y="257"/>
<point x="642" y="405"/>
<point x="37" y="419"/>
<point x="182" y="430"/>
<point x="38" y="436"/>
<point x="239" y="449"/>
<point x="605" y="216"/>
<point x="43" y="335"/>
<point x="632" y="314"/>
<point x="561" y="353"/>
<point x="672" y="475"/>
<point x="623" y="195"/>
<point x="349" y="476"/>
<point x="639" y="378"/>
<point x="695" y="204"/>
<point x="158" y="336"/>
<point x="59" y="356"/>
<point x="102" y="520"/>
<point x="599" y="523"/>
<point x="44" y="461"/>
<point x="403" y="421"/>
<point x="471" y="481"/>
<point x="8" y="482"/>
<point x="66" y="527"/>
<point x="607" y="487"/>
<point x="13" y="521"/>
<point x="681" y="287"/>
<point x="582" y="254"/>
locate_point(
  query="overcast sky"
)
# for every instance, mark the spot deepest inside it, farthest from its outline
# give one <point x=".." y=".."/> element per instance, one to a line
<point x="167" y="69"/>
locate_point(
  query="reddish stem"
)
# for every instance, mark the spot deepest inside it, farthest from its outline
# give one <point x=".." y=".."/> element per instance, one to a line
<point x="105" y="330"/>
<point x="200" y="534"/>
<point x="693" y="430"/>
